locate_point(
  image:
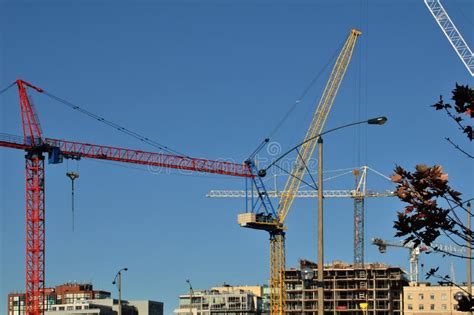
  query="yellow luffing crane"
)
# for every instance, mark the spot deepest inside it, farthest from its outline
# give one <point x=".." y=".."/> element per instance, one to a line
<point x="266" y="218"/>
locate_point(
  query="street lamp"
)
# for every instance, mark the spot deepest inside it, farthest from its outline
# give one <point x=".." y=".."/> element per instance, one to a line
<point x="190" y="296"/>
<point x="118" y="281"/>
<point x="373" y="121"/>
<point x="469" y="250"/>
<point x="320" y="282"/>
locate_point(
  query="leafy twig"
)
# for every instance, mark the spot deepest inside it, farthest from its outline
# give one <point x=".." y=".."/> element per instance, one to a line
<point x="457" y="147"/>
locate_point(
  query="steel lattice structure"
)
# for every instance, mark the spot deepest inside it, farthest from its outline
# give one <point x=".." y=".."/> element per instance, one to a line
<point x="300" y="194"/>
<point x="266" y="218"/>
<point x="415" y="252"/>
<point x="37" y="147"/>
<point x="452" y="33"/>
<point x="358" y="194"/>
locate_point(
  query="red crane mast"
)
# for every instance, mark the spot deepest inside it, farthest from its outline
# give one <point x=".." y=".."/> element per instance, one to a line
<point x="37" y="147"/>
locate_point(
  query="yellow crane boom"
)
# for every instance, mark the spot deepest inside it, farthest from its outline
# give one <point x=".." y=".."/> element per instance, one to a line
<point x="277" y="242"/>
<point x="317" y="124"/>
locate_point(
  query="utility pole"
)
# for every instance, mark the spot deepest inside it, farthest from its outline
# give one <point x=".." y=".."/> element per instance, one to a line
<point x="190" y="297"/>
<point x="469" y="247"/>
<point x="320" y="230"/>
<point x="118" y="281"/>
<point x="120" y="293"/>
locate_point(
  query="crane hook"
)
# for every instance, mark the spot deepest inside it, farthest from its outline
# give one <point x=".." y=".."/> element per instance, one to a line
<point x="73" y="176"/>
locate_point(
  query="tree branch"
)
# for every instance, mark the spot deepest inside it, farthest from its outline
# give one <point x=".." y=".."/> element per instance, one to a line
<point x="457" y="147"/>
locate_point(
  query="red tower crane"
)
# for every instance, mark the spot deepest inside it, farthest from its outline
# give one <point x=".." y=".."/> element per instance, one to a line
<point x="36" y="147"/>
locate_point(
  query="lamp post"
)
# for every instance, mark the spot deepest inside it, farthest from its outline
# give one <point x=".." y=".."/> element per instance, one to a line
<point x="263" y="172"/>
<point x="469" y="248"/>
<point x="190" y="296"/>
<point x="320" y="230"/>
<point x="118" y="281"/>
<point x="373" y="121"/>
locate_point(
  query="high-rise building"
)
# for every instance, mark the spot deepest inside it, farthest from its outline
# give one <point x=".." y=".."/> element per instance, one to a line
<point x="348" y="289"/>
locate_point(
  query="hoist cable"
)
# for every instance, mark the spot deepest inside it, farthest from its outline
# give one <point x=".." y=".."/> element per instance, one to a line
<point x="72" y="204"/>
<point x="260" y="147"/>
<point x="300" y="179"/>
<point x="7" y="88"/>
<point x="293" y="106"/>
<point x="307" y="168"/>
<point x="304" y="93"/>
<point x="116" y="126"/>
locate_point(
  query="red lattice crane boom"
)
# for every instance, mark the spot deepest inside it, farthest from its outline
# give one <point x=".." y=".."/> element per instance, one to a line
<point x="36" y="147"/>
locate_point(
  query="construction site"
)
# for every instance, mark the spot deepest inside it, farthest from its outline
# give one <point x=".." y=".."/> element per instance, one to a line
<point x="157" y="214"/>
<point x="373" y="288"/>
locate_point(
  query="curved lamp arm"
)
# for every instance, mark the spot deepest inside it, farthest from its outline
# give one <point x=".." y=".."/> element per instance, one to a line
<point x="373" y="121"/>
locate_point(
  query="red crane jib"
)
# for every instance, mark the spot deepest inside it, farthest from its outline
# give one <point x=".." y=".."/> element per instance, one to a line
<point x="72" y="149"/>
<point x="36" y="146"/>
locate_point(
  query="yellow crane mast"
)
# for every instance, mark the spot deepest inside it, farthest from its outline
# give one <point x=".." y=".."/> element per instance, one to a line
<point x="274" y="225"/>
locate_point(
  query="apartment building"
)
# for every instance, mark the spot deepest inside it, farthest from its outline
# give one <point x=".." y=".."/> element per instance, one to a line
<point x="348" y="289"/>
<point x="70" y="292"/>
<point x="228" y="300"/>
<point x="430" y="299"/>
<point x="67" y="293"/>
<point x="80" y="308"/>
<point x="107" y="307"/>
<point x="16" y="301"/>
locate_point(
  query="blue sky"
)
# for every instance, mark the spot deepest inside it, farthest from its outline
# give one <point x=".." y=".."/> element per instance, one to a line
<point x="212" y="79"/>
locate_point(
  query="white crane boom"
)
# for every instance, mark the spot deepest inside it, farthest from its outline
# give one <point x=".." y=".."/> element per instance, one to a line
<point x="452" y="33"/>
<point x="299" y="194"/>
<point x="415" y="253"/>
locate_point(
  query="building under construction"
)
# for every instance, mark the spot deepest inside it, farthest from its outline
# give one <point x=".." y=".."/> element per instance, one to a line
<point x="348" y="289"/>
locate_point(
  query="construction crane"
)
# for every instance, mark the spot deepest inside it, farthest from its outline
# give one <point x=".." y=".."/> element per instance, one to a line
<point x="36" y="147"/>
<point x="452" y="34"/>
<point x="264" y="216"/>
<point x="415" y="252"/>
<point x="358" y="194"/>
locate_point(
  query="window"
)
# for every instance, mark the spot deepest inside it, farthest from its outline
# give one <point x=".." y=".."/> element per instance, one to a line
<point x="444" y="296"/>
<point x="421" y="307"/>
<point x="61" y="308"/>
<point x="432" y="307"/>
<point x="70" y="308"/>
<point x="444" y="307"/>
<point x="78" y="307"/>
<point x="421" y="296"/>
<point x="410" y="296"/>
<point x="432" y="296"/>
<point x="410" y="307"/>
